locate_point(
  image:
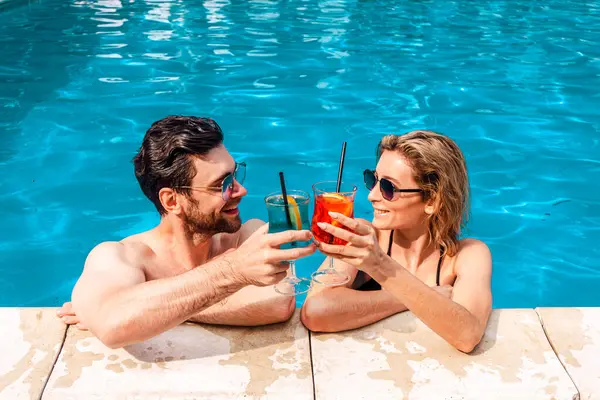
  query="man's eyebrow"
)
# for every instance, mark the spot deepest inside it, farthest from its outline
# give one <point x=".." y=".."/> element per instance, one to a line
<point x="219" y="180"/>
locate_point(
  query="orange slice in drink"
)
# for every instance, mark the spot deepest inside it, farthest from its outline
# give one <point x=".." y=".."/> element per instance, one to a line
<point x="338" y="203"/>
<point x="294" y="213"/>
<point x="334" y="198"/>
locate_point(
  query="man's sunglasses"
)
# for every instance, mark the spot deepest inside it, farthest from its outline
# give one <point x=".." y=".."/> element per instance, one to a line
<point x="388" y="190"/>
<point x="228" y="183"/>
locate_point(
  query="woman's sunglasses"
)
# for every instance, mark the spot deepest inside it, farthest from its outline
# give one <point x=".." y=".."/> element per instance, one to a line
<point x="227" y="185"/>
<point x="388" y="190"/>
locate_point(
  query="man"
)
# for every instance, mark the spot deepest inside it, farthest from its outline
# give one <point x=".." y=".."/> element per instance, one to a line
<point x="200" y="263"/>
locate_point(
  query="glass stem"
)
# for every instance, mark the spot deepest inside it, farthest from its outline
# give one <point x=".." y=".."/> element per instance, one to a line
<point x="331" y="267"/>
<point x="293" y="269"/>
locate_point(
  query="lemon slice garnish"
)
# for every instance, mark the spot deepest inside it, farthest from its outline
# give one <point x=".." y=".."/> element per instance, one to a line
<point x="294" y="213"/>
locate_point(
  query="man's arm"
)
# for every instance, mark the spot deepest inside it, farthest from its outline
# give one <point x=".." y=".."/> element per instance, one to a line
<point x="335" y="309"/>
<point x="114" y="302"/>
<point x="461" y="320"/>
<point x="252" y="305"/>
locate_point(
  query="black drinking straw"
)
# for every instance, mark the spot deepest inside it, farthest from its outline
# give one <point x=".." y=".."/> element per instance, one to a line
<point x="341" y="168"/>
<point x="285" y="202"/>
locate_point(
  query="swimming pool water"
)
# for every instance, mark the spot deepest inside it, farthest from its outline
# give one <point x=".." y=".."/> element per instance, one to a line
<point x="515" y="83"/>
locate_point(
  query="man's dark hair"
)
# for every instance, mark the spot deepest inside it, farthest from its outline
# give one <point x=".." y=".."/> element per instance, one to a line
<point x="165" y="158"/>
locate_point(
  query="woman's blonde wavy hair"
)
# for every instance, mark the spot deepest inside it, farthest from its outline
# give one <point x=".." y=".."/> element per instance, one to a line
<point x="441" y="171"/>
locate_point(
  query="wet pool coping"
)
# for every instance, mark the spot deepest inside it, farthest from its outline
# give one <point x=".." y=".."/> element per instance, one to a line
<point x="542" y="353"/>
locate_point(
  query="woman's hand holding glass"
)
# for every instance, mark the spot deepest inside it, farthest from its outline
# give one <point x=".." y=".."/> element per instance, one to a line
<point x="362" y="250"/>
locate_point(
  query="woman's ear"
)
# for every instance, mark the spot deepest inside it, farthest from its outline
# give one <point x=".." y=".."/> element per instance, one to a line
<point x="432" y="205"/>
<point x="429" y="209"/>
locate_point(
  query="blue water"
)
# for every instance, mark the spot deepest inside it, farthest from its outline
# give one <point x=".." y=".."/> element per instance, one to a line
<point x="515" y="83"/>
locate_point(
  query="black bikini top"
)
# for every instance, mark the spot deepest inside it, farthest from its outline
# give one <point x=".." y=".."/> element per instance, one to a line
<point x="372" y="284"/>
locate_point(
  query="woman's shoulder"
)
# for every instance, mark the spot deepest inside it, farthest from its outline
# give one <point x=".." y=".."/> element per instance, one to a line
<point x="471" y="244"/>
<point x="473" y="251"/>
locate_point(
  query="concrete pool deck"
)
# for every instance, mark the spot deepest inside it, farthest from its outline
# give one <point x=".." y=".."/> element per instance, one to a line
<point x="543" y="353"/>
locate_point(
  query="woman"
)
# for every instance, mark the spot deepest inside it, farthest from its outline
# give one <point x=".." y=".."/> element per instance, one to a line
<point x="410" y="256"/>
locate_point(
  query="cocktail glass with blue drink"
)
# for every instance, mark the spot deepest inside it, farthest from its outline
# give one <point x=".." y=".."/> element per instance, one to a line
<point x="286" y="213"/>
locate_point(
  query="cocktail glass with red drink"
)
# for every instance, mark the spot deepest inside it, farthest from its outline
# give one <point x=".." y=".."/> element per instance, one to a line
<point x="328" y="198"/>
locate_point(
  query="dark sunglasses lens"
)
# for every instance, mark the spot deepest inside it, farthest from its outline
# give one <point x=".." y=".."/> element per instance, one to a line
<point x="387" y="189"/>
<point x="227" y="187"/>
<point x="370" y="180"/>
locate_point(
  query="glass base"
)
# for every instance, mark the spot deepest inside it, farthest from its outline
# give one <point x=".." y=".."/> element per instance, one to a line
<point x="292" y="286"/>
<point x="330" y="277"/>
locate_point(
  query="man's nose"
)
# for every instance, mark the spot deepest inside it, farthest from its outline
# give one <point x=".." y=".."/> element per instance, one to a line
<point x="239" y="190"/>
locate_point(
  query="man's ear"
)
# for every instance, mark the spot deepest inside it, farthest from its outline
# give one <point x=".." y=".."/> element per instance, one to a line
<point x="170" y="200"/>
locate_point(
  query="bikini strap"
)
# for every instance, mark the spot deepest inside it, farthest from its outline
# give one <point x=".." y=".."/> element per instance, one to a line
<point x="439" y="267"/>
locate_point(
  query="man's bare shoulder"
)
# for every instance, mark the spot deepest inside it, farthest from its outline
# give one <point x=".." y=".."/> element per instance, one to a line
<point x="131" y="251"/>
<point x="248" y="229"/>
<point x="109" y="266"/>
<point x="223" y="242"/>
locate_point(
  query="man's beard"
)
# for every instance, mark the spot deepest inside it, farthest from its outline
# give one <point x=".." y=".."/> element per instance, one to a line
<point x="197" y="223"/>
